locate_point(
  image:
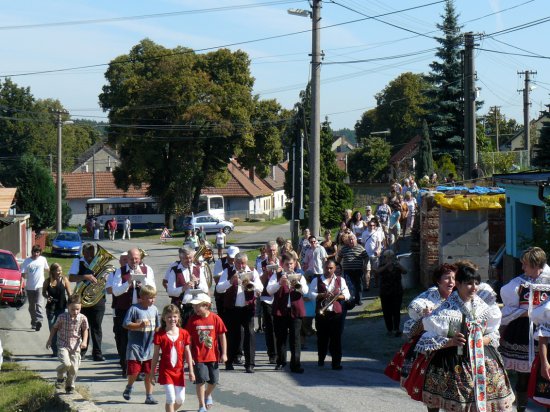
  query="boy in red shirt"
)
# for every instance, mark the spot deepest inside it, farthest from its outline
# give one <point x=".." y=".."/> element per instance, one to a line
<point x="205" y="328"/>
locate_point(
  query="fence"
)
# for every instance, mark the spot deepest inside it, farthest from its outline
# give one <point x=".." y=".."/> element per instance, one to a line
<point x="246" y="215"/>
<point x="503" y="162"/>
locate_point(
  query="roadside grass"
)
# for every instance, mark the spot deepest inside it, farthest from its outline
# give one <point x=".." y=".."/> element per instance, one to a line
<point x="272" y="222"/>
<point x="65" y="262"/>
<point x="23" y="390"/>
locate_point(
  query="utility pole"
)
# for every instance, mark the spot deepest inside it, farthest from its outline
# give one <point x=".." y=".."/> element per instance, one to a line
<point x="526" y="104"/>
<point x="315" y="137"/>
<point x="470" y="143"/>
<point x="496" y="111"/>
<point x="93" y="171"/>
<point x="59" y="123"/>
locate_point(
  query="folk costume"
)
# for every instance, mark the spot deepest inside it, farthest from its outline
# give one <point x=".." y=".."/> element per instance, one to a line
<point x="470" y="378"/>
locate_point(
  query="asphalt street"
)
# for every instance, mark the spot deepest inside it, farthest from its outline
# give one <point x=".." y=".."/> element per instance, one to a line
<point x="360" y="386"/>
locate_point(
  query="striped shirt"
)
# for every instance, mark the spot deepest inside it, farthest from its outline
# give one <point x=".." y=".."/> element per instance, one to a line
<point x="70" y="331"/>
<point x="352" y="258"/>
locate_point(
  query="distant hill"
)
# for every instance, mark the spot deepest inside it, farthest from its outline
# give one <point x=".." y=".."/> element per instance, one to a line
<point x="350" y="134"/>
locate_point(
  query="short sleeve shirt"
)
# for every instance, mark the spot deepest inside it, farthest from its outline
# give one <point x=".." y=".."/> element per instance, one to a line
<point x="34" y="271"/>
<point x="69" y="331"/>
<point x="204" y="334"/>
<point x="168" y="373"/>
<point x="140" y="342"/>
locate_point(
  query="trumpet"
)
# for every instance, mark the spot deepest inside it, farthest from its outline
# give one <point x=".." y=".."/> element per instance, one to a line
<point x="245" y="280"/>
<point x="294" y="281"/>
<point x="327" y="302"/>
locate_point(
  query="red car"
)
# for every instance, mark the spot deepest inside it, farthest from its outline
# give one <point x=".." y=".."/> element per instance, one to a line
<point x="12" y="284"/>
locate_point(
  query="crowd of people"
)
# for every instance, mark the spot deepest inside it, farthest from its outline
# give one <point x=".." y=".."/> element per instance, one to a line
<point x="461" y="343"/>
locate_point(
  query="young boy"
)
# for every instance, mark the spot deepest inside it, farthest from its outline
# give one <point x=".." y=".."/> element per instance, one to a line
<point x="72" y="334"/>
<point x="205" y="328"/>
<point x="142" y="321"/>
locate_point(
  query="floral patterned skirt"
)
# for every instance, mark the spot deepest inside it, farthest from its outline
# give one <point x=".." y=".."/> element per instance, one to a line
<point x="539" y="388"/>
<point x="399" y="367"/>
<point x="449" y="385"/>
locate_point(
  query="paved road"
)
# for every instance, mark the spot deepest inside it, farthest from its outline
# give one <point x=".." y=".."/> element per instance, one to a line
<point x="361" y="386"/>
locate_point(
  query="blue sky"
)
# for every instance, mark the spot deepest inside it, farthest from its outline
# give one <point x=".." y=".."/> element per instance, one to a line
<point x="280" y="66"/>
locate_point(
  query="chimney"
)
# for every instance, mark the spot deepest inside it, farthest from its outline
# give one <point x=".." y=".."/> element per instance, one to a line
<point x="251" y="173"/>
<point x="84" y="168"/>
<point x="273" y="172"/>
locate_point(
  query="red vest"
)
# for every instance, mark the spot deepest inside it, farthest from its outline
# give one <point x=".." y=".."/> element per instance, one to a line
<point x="124" y="301"/>
<point x="180" y="280"/>
<point x="264" y="283"/>
<point x="280" y="302"/>
<point x="322" y="288"/>
<point x="230" y="295"/>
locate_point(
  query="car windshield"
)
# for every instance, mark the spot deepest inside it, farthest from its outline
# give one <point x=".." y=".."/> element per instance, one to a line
<point x="7" y="261"/>
<point x="71" y="237"/>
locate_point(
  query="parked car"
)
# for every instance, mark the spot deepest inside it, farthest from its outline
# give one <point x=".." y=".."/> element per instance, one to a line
<point x="210" y="224"/>
<point x="67" y="244"/>
<point x="12" y="284"/>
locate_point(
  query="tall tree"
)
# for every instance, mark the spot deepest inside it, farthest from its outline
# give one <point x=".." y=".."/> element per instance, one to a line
<point x="400" y="107"/>
<point x="444" y="107"/>
<point x="425" y="162"/>
<point x="368" y="162"/>
<point x="177" y="118"/>
<point x="367" y="124"/>
<point x="35" y="192"/>
<point x="335" y="194"/>
<point x="542" y="148"/>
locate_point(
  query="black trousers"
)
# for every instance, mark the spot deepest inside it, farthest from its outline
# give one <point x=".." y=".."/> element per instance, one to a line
<point x="356" y="276"/>
<point x="288" y="327"/>
<point x="121" y="336"/>
<point x="391" y="307"/>
<point x="238" y="318"/>
<point x="329" y="337"/>
<point x="94" y="314"/>
<point x="186" y="312"/>
<point x="269" y="332"/>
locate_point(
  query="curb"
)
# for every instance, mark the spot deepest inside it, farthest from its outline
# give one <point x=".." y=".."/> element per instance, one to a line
<point x="75" y="402"/>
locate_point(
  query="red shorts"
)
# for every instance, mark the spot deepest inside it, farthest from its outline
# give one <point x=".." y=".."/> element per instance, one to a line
<point x="135" y="367"/>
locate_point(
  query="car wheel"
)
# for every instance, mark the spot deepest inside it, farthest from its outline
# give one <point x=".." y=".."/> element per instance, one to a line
<point x="227" y="230"/>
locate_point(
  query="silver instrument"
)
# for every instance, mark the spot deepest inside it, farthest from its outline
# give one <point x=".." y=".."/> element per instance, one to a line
<point x="246" y="280"/>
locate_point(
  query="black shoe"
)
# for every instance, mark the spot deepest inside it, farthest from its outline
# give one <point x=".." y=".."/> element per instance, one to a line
<point x="337" y="367"/>
<point x="272" y="360"/>
<point x="297" y="370"/>
<point x="229" y="367"/>
<point x="38" y="326"/>
<point x="249" y="369"/>
<point x="238" y="360"/>
<point x="98" y="358"/>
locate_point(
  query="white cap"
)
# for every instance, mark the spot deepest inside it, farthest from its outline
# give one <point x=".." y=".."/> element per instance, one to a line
<point x="201" y="298"/>
<point x="232" y="251"/>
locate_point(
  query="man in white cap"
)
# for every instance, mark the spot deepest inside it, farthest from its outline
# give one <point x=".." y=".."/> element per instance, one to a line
<point x="220" y="265"/>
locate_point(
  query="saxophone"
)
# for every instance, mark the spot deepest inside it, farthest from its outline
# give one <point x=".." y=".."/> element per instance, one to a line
<point x="91" y="293"/>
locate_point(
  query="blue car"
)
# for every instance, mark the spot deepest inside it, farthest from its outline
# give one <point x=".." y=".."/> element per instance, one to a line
<point x="67" y="244"/>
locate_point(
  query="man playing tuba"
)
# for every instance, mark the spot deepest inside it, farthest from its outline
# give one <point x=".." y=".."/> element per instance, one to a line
<point x="126" y="284"/>
<point x="80" y="272"/>
<point x="181" y="278"/>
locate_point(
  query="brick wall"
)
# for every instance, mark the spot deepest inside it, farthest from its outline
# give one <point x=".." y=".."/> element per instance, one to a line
<point x="429" y="239"/>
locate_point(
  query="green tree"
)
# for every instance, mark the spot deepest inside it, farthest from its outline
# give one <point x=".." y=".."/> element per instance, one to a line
<point x="368" y="162"/>
<point x="542" y="148"/>
<point x="444" y="166"/>
<point x="335" y="194"/>
<point x="177" y="118"/>
<point x="425" y="163"/>
<point x="264" y="148"/>
<point x="35" y="192"/>
<point x="401" y="107"/>
<point x="366" y="125"/>
<point x="444" y="107"/>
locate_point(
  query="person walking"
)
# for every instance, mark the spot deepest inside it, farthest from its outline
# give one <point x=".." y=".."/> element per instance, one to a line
<point x="126" y="228"/>
<point x="391" y="291"/>
<point x="33" y="271"/>
<point x="353" y="258"/>
<point x="112" y="225"/>
<point x="56" y="290"/>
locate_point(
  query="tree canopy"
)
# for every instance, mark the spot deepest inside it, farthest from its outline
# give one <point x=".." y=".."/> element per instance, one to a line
<point x="368" y="162"/>
<point x="425" y="157"/>
<point x="177" y="117"/>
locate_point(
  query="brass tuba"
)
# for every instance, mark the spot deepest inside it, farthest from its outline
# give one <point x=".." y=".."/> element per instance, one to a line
<point x="91" y="293"/>
<point x="205" y="252"/>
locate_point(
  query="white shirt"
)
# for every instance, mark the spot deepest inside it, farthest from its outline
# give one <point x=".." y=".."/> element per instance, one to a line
<point x="268" y="299"/>
<point x="127" y="224"/>
<point x="225" y="284"/>
<point x="330" y="284"/>
<point x="220" y="238"/>
<point x="34" y="272"/>
<point x="120" y="287"/>
<point x="314" y="259"/>
<point x="273" y="286"/>
<point x="174" y="291"/>
<point x="372" y="241"/>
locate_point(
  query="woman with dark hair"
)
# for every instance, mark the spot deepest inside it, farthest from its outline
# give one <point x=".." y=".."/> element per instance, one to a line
<point x="330" y="247"/>
<point x="528" y="289"/>
<point x="421" y="306"/>
<point x="463" y="369"/>
<point x="357" y="224"/>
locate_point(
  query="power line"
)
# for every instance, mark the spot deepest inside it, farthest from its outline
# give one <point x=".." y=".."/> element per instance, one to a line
<point x="398" y="56"/>
<point x="514" y="54"/>
<point x="149" y="16"/>
<point x="519" y="27"/>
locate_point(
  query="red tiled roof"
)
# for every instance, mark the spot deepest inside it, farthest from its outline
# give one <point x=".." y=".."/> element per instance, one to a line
<point x="276" y="178"/>
<point x="79" y="186"/>
<point x="407" y="150"/>
<point x="239" y="184"/>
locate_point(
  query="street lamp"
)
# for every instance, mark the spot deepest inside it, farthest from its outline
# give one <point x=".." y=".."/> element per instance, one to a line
<point x="60" y="123"/>
<point x="315" y="134"/>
